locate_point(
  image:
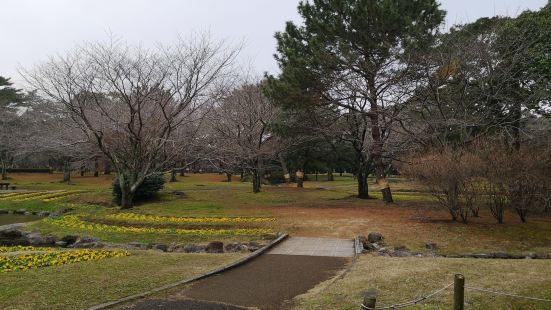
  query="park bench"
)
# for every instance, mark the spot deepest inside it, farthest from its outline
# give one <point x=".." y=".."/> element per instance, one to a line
<point x="4" y="186"/>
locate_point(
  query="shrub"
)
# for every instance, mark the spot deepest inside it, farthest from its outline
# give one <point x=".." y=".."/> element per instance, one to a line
<point x="451" y="176"/>
<point x="147" y="190"/>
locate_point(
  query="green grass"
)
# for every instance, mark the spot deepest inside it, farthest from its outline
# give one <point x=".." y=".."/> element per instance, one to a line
<point x="403" y="279"/>
<point x="81" y="285"/>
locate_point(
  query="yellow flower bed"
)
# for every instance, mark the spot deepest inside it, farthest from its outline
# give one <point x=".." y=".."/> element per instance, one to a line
<point x="73" y="221"/>
<point x="16" y="195"/>
<point x="29" y="261"/>
<point x="45" y="196"/>
<point x="134" y="217"/>
<point x="20" y="248"/>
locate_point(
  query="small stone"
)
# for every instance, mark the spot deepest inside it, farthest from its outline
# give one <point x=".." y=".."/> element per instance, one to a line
<point x="70" y="239"/>
<point x="36" y="239"/>
<point x="215" y="247"/>
<point x="374" y="237"/>
<point x="43" y="213"/>
<point x="363" y="241"/>
<point x="401" y="253"/>
<point x="61" y="243"/>
<point x="431" y="246"/>
<point x="160" y="246"/>
<point x="501" y="255"/>
<point x="28" y="213"/>
<point x="136" y="246"/>
<point x="194" y="248"/>
<point x="20" y="211"/>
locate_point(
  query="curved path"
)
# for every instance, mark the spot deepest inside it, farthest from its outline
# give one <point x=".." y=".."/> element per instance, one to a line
<point x="267" y="282"/>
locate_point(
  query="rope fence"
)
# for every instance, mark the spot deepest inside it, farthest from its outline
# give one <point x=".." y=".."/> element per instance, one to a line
<point x="370" y="297"/>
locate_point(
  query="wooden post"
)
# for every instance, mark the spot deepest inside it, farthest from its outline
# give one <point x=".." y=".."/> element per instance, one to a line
<point x="459" y="292"/>
<point x="370" y="299"/>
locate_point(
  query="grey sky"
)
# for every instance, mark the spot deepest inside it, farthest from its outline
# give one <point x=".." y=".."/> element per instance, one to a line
<point x="34" y="29"/>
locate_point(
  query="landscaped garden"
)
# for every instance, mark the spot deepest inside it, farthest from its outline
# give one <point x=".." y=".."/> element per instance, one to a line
<point x="207" y="208"/>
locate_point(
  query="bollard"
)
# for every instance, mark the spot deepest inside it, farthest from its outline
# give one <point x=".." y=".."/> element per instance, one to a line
<point x="459" y="292"/>
<point x="370" y="299"/>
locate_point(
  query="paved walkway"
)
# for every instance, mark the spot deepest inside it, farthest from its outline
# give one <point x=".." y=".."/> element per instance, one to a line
<point x="269" y="281"/>
<point x="315" y="247"/>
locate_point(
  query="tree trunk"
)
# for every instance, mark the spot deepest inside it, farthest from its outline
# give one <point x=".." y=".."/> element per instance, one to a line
<point x="66" y="172"/>
<point x="377" y="150"/>
<point x="173" y="174"/>
<point x="183" y="170"/>
<point x="127" y="195"/>
<point x="126" y="198"/>
<point x="256" y="181"/>
<point x="286" y="174"/>
<point x="330" y="176"/>
<point x="107" y="168"/>
<point x="387" y="195"/>
<point x="300" y="179"/>
<point x="228" y="176"/>
<point x="4" y="171"/>
<point x="96" y="168"/>
<point x="362" y="185"/>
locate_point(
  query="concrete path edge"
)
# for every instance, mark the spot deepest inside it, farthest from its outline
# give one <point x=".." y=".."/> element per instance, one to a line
<point x="234" y="264"/>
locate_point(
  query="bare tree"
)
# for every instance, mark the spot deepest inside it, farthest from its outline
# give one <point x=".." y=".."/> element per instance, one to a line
<point x="129" y="101"/>
<point x="241" y="131"/>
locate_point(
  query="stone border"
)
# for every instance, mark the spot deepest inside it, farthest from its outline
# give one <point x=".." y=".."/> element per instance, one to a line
<point x="239" y="262"/>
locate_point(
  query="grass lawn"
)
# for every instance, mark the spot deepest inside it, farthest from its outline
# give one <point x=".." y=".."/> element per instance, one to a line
<point x="81" y="285"/>
<point x="403" y="279"/>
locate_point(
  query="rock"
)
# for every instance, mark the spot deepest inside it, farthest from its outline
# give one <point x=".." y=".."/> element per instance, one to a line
<point x="61" y="243"/>
<point x="254" y="246"/>
<point x="431" y="246"/>
<point x="194" y="248"/>
<point x="372" y="247"/>
<point x="363" y="241"/>
<point x="89" y="245"/>
<point x="215" y="247"/>
<point x="236" y="247"/>
<point x="374" y="237"/>
<point x="37" y="239"/>
<point x="70" y="239"/>
<point x="43" y="213"/>
<point x="11" y="235"/>
<point x="501" y="255"/>
<point x="20" y="211"/>
<point x="137" y="246"/>
<point x="480" y="255"/>
<point x="55" y="214"/>
<point x="28" y="213"/>
<point x="84" y="242"/>
<point x="179" y="193"/>
<point x="401" y="253"/>
<point x="160" y="246"/>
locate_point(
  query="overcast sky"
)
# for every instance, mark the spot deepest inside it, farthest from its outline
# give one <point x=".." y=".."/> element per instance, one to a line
<point x="34" y="29"/>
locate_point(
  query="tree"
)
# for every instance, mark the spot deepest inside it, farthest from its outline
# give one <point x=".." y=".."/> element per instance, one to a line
<point x="11" y="100"/>
<point x="355" y="56"/>
<point x="128" y="101"/>
<point x="242" y="133"/>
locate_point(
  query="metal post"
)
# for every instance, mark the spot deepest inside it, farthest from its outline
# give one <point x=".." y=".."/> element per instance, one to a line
<point x="459" y="292"/>
<point x="370" y="299"/>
